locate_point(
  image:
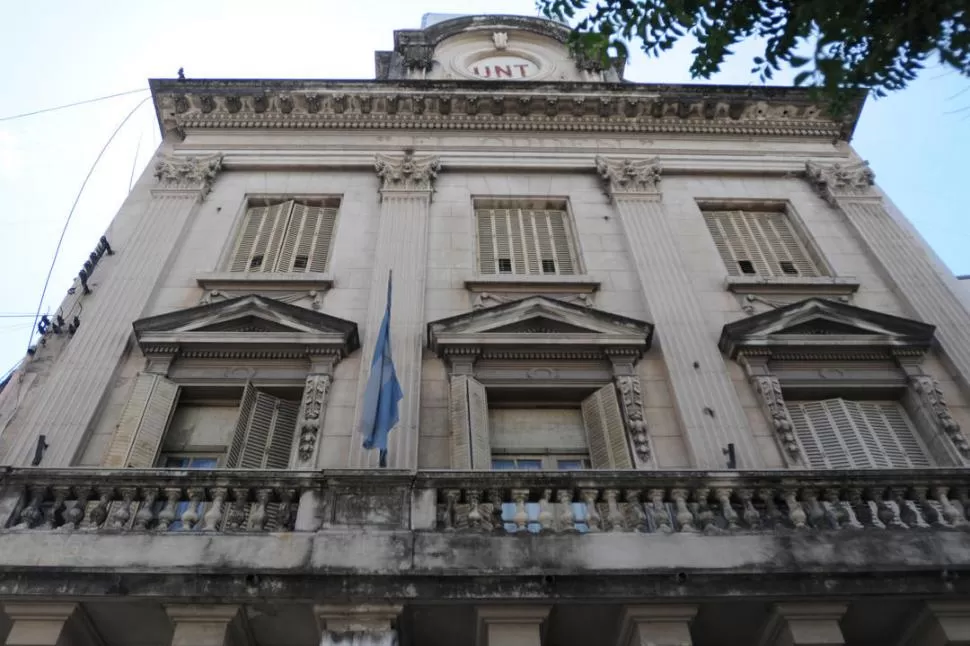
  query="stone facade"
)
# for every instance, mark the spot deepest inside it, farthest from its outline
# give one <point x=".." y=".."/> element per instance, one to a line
<point x="735" y="428"/>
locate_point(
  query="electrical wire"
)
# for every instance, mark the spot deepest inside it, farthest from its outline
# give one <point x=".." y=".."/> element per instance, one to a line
<point x="71" y="105"/>
<point x="70" y="214"/>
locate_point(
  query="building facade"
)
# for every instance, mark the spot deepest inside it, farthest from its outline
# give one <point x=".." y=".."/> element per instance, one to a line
<point x="675" y="371"/>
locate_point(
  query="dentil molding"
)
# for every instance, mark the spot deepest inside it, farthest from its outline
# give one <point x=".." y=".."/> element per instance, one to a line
<point x="833" y="181"/>
<point x="630" y="176"/>
<point x="186" y="174"/>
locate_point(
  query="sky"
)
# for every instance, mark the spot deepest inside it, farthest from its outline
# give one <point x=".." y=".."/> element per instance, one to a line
<point x="59" y="52"/>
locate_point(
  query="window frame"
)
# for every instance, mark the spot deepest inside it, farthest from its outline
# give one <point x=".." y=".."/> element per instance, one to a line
<point x="193" y="454"/>
<point x="549" y="461"/>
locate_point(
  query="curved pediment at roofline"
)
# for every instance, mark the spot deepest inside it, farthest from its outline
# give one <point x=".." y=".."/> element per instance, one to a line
<point x="817" y="326"/>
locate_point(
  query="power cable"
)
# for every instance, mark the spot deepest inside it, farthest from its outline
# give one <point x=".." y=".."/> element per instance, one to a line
<point x="60" y="240"/>
<point x="71" y="105"/>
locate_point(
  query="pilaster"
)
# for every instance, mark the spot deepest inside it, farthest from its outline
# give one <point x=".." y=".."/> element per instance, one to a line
<point x="402" y="248"/>
<point x="63" y="407"/>
<point x="940" y="623"/>
<point x="363" y="625"/>
<point x="310" y="421"/>
<point x="207" y="625"/>
<point x="39" y="623"/>
<point x="710" y="412"/>
<point x="656" y="625"/>
<point x="511" y="625"/>
<point x="804" y="624"/>
<point x="849" y="187"/>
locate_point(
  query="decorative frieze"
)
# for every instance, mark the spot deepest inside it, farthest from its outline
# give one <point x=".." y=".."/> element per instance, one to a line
<point x="841" y="180"/>
<point x="769" y="389"/>
<point x="930" y="396"/>
<point x="630" y="176"/>
<point x="407" y="172"/>
<point x="183" y="174"/>
<point x="311" y="415"/>
<point x="631" y="403"/>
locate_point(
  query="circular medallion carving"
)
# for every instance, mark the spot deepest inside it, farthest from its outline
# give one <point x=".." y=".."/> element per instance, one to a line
<point x="830" y="373"/>
<point x="541" y="373"/>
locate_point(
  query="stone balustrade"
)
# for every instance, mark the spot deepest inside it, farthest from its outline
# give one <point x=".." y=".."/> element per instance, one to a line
<point x="712" y="503"/>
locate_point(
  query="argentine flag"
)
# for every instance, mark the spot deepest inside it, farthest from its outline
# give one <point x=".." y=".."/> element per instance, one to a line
<point x="383" y="390"/>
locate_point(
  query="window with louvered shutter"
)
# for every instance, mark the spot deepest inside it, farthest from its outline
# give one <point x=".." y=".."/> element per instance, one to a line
<point x="605" y="433"/>
<point x="291" y="236"/>
<point x="525" y="242"/>
<point x="264" y="433"/>
<point x="468" y="411"/>
<point x="765" y="244"/>
<point x="845" y="434"/>
<point x="143" y="423"/>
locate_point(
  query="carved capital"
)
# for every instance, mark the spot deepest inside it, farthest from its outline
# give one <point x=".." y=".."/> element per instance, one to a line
<point x="930" y="397"/>
<point x="311" y="414"/>
<point x="630" y="176"/>
<point x="631" y="402"/>
<point x="186" y="174"/>
<point x="407" y="172"/>
<point x="418" y="56"/>
<point x="769" y="389"/>
<point x="833" y="181"/>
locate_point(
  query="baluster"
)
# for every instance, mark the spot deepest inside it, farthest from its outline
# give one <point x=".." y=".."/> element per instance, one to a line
<point x="51" y="514"/>
<point x="545" y="512"/>
<point x="257" y="517"/>
<point x="146" y="512"/>
<point x="495" y="497"/>
<point x="705" y="516"/>
<point x="636" y="517"/>
<point x="897" y="506"/>
<point x="521" y="516"/>
<point x="567" y="519"/>
<point x="855" y="502"/>
<point x="167" y="516"/>
<point x="99" y="514"/>
<point x="751" y="516"/>
<point x="795" y="512"/>
<point x="474" y="514"/>
<point x="237" y="513"/>
<point x="837" y="516"/>
<point x="879" y="514"/>
<point x="724" y="497"/>
<point x="685" y="519"/>
<point x="589" y="497"/>
<point x="917" y="507"/>
<point x="74" y="515"/>
<point x="772" y="513"/>
<point x="210" y="521"/>
<point x="614" y="517"/>
<point x="191" y="514"/>
<point x="658" y="510"/>
<point x="451" y="501"/>
<point x="815" y="512"/>
<point x="31" y="515"/>
<point x="284" y="513"/>
<point x="121" y="516"/>
<point x="953" y="515"/>
<point x="960" y="502"/>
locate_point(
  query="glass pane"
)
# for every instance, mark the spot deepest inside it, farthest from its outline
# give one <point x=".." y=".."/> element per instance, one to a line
<point x="503" y="465"/>
<point x="176" y="463"/>
<point x="571" y="464"/>
<point x="202" y="463"/>
<point x="529" y="465"/>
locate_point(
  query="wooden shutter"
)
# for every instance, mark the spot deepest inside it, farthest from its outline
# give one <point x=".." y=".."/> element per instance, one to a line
<point x="306" y="244"/>
<point x="143" y="423"/>
<point x="842" y="434"/>
<point x="261" y="235"/>
<point x="487" y="263"/>
<point x="468" y="410"/>
<point x="763" y="239"/>
<point x="524" y="238"/>
<point x="264" y="433"/>
<point x="605" y="433"/>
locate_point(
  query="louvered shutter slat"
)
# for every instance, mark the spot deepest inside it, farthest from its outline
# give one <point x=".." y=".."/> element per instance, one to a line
<point x="807" y="437"/>
<point x="544" y="246"/>
<point x="143" y="422"/>
<point x="486" y="242"/>
<point x="720" y="234"/>
<point x="283" y="433"/>
<point x="320" y="253"/>
<point x="605" y="433"/>
<point x="752" y="238"/>
<point x="503" y="241"/>
<point x="295" y="231"/>
<point x="530" y="243"/>
<point x="764" y="239"/>
<point x="258" y="433"/>
<point x="243" y="253"/>
<point x="461" y="453"/>
<point x="478" y="425"/>
<point x="518" y="241"/>
<point x="558" y="229"/>
<point x="242" y="425"/>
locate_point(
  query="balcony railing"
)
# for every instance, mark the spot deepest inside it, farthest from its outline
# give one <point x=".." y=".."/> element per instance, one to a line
<point x="499" y="503"/>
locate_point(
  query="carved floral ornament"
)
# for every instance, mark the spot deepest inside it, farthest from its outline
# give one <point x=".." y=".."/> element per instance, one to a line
<point x="407" y="172"/>
<point x="837" y="180"/>
<point x="630" y="176"/>
<point x="187" y="173"/>
<point x="314" y="396"/>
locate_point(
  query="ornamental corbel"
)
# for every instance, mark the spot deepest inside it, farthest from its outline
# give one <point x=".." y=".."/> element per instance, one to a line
<point x="311" y="414"/>
<point x="630" y="176"/>
<point x="833" y="181"/>
<point x="931" y="397"/>
<point x="631" y="404"/>
<point x="407" y="172"/>
<point x="768" y="388"/>
<point x="186" y="174"/>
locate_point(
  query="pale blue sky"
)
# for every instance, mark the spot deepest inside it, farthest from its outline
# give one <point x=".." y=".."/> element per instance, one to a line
<point x="61" y="51"/>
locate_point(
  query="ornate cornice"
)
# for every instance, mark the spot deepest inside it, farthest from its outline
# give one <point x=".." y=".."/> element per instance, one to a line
<point x="186" y="174"/>
<point x="630" y="176"/>
<point x="406" y="173"/>
<point x="509" y="106"/>
<point x="833" y="181"/>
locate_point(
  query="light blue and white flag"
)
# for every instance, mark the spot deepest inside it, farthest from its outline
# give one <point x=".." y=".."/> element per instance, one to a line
<point x="383" y="390"/>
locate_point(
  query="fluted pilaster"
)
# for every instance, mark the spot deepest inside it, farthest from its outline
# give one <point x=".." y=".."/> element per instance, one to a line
<point x="63" y="407"/>
<point x="402" y="247"/>
<point x="711" y="414"/>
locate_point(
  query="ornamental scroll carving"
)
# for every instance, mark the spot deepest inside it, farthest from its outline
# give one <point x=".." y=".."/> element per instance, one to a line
<point x="769" y="388"/>
<point x="931" y="397"/>
<point x="631" y="401"/>
<point x="840" y="180"/>
<point x="314" y="395"/>
<point x="407" y="172"/>
<point x="629" y="176"/>
<point x="187" y="173"/>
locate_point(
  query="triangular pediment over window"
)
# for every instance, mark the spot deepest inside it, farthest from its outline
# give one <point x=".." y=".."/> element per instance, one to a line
<point x="818" y="325"/>
<point x="540" y="326"/>
<point x="249" y="326"/>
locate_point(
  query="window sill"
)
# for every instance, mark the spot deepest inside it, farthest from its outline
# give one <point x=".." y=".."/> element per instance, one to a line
<point x="266" y="281"/>
<point x="810" y="285"/>
<point x="532" y="284"/>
